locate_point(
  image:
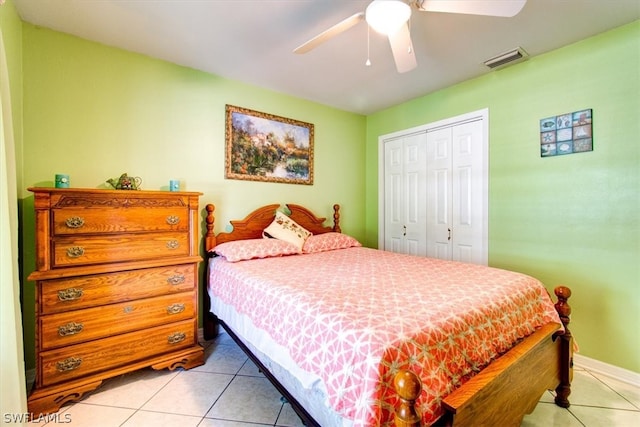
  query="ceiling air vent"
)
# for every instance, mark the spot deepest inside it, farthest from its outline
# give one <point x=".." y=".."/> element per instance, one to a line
<point x="506" y="58"/>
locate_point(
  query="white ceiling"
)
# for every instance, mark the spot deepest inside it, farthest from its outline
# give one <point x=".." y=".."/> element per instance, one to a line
<point x="252" y="41"/>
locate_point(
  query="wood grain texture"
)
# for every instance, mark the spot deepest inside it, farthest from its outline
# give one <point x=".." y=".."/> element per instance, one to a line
<point x="252" y="225"/>
<point x="116" y="288"/>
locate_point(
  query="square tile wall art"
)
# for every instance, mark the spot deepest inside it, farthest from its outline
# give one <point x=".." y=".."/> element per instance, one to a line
<point x="566" y="134"/>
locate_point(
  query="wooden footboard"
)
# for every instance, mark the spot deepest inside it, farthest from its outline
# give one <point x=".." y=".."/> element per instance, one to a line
<point x="510" y="387"/>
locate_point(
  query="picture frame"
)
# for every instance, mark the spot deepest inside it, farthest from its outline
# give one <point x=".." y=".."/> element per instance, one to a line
<point x="566" y="133"/>
<point x="266" y="147"/>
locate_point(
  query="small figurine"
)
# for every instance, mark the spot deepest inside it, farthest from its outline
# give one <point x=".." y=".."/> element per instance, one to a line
<point x="125" y="182"/>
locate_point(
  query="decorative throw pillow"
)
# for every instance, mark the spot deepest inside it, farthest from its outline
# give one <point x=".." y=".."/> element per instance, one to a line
<point x="328" y="242"/>
<point x="240" y="250"/>
<point x="284" y="228"/>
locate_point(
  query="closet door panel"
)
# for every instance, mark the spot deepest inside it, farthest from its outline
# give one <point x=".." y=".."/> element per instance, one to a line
<point x="405" y="188"/>
<point x="414" y="207"/>
<point x="468" y="192"/>
<point x="439" y="194"/>
<point x="393" y="187"/>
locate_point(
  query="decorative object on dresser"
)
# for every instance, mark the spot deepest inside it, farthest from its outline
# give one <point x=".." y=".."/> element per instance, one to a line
<point x="125" y="182"/>
<point x="116" y="288"/>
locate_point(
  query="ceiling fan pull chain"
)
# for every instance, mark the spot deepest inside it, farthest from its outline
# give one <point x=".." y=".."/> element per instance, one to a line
<point x="368" y="62"/>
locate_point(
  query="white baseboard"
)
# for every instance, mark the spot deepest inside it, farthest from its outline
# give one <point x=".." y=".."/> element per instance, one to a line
<point x="611" y="371"/>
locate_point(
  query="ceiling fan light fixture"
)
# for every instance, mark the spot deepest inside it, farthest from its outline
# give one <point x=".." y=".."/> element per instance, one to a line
<point x="387" y="16"/>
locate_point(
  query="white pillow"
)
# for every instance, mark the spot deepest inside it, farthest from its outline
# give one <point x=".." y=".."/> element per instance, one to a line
<point x="284" y="228"/>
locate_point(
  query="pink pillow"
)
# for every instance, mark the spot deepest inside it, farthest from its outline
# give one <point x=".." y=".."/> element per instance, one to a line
<point x="239" y="250"/>
<point x="328" y="242"/>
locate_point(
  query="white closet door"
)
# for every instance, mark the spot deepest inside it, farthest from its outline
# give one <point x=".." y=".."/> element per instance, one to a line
<point x="468" y="193"/>
<point x="405" y="191"/>
<point x="456" y="193"/>
<point x="393" y="189"/>
<point x="439" y="193"/>
<point x="436" y="183"/>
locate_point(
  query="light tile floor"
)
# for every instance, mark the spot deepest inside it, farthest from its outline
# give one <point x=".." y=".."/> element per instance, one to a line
<point x="228" y="384"/>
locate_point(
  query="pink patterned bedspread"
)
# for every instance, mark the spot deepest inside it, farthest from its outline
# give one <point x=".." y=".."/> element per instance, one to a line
<point x="339" y="314"/>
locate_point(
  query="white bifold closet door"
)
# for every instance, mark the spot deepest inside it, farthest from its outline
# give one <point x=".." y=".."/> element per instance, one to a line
<point x="405" y="194"/>
<point x="456" y="193"/>
<point x="434" y="199"/>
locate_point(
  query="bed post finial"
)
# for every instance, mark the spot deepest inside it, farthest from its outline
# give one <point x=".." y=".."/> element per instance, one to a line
<point x="210" y="237"/>
<point x="408" y="388"/>
<point x="566" y="349"/>
<point x="336" y="218"/>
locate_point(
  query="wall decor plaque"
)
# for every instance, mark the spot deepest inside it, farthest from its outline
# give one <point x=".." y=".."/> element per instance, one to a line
<point x="567" y="133"/>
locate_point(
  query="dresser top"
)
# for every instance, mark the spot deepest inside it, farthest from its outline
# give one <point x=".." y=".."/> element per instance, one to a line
<point x="107" y="191"/>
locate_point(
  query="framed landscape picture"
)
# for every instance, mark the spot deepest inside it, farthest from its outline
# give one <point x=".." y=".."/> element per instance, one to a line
<point x="265" y="147"/>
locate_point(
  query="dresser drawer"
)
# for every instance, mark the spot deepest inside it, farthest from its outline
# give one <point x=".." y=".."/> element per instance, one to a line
<point x="90" y="291"/>
<point x="119" y="220"/>
<point x="78" y="326"/>
<point x="85" y="250"/>
<point x="83" y="359"/>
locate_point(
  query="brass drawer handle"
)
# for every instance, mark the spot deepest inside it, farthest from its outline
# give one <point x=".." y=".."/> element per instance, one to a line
<point x="176" y="337"/>
<point x="75" y="251"/>
<point x="175" y="308"/>
<point x="172" y="244"/>
<point x="173" y="219"/>
<point x="70" y="294"/>
<point x="68" y="364"/>
<point x="176" y="280"/>
<point x="75" y="222"/>
<point x="70" y="328"/>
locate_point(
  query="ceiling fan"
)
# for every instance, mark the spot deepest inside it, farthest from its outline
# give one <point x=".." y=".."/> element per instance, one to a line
<point x="391" y="18"/>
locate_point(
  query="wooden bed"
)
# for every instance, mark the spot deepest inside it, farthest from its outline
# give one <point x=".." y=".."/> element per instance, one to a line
<point x="501" y="394"/>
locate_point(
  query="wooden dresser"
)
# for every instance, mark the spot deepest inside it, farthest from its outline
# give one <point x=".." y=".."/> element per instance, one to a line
<point x="117" y="288"/>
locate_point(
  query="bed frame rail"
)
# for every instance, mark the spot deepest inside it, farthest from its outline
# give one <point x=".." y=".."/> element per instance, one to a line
<point x="510" y="387"/>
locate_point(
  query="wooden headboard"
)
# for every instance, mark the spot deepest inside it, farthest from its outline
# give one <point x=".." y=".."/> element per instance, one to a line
<point x="252" y="225"/>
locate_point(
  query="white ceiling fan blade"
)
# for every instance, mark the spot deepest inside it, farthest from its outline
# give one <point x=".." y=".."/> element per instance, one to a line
<point x="402" y="49"/>
<point x="340" y="27"/>
<point x="503" y="8"/>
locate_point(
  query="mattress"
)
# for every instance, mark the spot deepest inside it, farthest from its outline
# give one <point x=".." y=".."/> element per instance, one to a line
<point x="343" y="322"/>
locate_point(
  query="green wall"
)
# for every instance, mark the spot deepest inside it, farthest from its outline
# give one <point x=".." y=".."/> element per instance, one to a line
<point x="573" y="219"/>
<point x="94" y="112"/>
